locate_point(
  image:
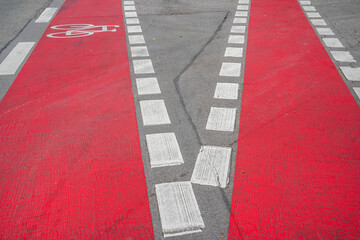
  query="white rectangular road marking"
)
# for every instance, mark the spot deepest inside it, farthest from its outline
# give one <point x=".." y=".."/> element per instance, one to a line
<point x="134" y="29"/>
<point x="147" y="86"/>
<point x="352" y="74"/>
<point x="226" y="91"/>
<point x="313" y="15"/>
<point x="129" y="8"/>
<point x="305" y="2"/>
<point x="13" y="61"/>
<point x="342" y="56"/>
<point x="163" y="150"/>
<point x="154" y="112"/>
<point x="46" y="15"/>
<point x="243" y="7"/>
<point x="128" y="2"/>
<point x="309" y="8"/>
<point x="178" y="208"/>
<point x="230" y="69"/>
<point x="221" y="119"/>
<point x="333" y="42"/>
<point x="233" y="52"/>
<point x="236" y="39"/>
<point x="143" y="66"/>
<point x="130" y="14"/>
<point x="244" y="1"/>
<point x="240" y="20"/>
<point x="136" y="39"/>
<point x="130" y="21"/>
<point x="318" y="22"/>
<point x="325" y="31"/>
<point x="357" y="91"/>
<point x="140" y="51"/>
<point x="212" y="166"/>
<point x="237" y="29"/>
<point x="241" y="14"/>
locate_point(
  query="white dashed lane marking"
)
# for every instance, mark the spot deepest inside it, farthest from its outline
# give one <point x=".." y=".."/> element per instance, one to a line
<point x="134" y="29"/>
<point x="129" y="8"/>
<point x="130" y="21"/>
<point x="226" y="91"/>
<point x="237" y="29"/>
<point x="236" y="39"/>
<point x="15" y="58"/>
<point x="357" y="91"/>
<point x="136" y="39"/>
<point x="309" y="8"/>
<point x="342" y="56"/>
<point x="154" y="112"/>
<point x="179" y="211"/>
<point x="233" y="52"/>
<point x="128" y="2"/>
<point x="221" y="119"/>
<point x="229" y="69"/>
<point x="333" y="42"/>
<point x="241" y="14"/>
<point x="325" y="31"/>
<point x="141" y="51"/>
<point x="163" y="150"/>
<point x="240" y="20"/>
<point x="243" y="7"/>
<point x="212" y="166"/>
<point x="352" y="74"/>
<point x="318" y="22"/>
<point x="147" y="86"/>
<point x="143" y="66"/>
<point x="130" y="14"/>
<point x="305" y="2"/>
<point x="46" y="15"/>
<point x="313" y="15"/>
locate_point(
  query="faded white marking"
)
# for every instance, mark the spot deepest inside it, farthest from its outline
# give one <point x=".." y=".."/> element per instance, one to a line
<point x="128" y="2"/>
<point x="318" y="22"/>
<point x="357" y="91"/>
<point x="163" y="150"/>
<point x="212" y="166"/>
<point x="178" y="208"/>
<point x="226" y="91"/>
<point x="130" y="14"/>
<point x="241" y="14"/>
<point x="143" y="66"/>
<point x="236" y="39"/>
<point x="243" y="7"/>
<point x="130" y="21"/>
<point x="154" y="112"/>
<point x="305" y="2"/>
<point x="244" y="1"/>
<point x="136" y="39"/>
<point x="134" y="29"/>
<point x="221" y="119"/>
<point x="237" y="29"/>
<point x="233" y="52"/>
<point x="129" y="8"/>
<point x="230" y="69"/>
<point x="342" y="56"/>
<point x="15" y="58"/>
<point x="140" y="51"/>
<point x="325" y="31"/>
<point x="240" y="20"/>
<point x="46" y="15"/>
<point x="351" y="73"/>
<point x="309" y="8"/>
<point x="333" y="42"/>
<point x="146" y="86"/>
<point x="313" y="15"/>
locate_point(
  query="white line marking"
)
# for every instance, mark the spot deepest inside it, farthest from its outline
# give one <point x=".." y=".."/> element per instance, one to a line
<point x="15" y="58"/>
<point x="154" y="112"/>
<point x="305" y="2"/>
<point x="243" y="1"/>
<point x="352" y="74"/>
<point x="309" y="8"/>
<point x="46" y="15"/>
<point x="342" y="56"/>
<point x="237" y="29"/>
<point x="226" y="91"/>
<point x="212" y="166"/>
<point x="318" y="22"/>
<point x="240" y="20"/>
<point x="163" y="150"/>
<point x="230" y="69"/>
<point x="357" y="91"/>
<point x="134" y="29"/>
<point x="236" y="39"/>
<point x="128" y="2"/>
<point x="143" y="66"/>
<point x="241" y="14"/>
<point x="325" y="31"/>
<point x="178" y="208"/>
<point x="130" y="21"/>
<point x="221" y="119"/>
<point x="147" y="86"/>
<point x="130" y="14"/>
<point x="243" y="7"/>
<point x="233" y="52"/>
<point x="140" y="51"/>
<point x="129" y="8"/>
<point x="136" y="39"/>
<point x="333" y="42"/>
<point x="313" y="15"/>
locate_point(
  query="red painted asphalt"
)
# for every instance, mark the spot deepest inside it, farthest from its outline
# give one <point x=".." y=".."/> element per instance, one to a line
<point x="71" y="164"/>
<point x="297" y="170"/>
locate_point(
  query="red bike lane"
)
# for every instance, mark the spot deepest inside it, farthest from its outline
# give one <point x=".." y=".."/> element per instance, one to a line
<point x="71" y="165"/>
<point x="297" y="170"/>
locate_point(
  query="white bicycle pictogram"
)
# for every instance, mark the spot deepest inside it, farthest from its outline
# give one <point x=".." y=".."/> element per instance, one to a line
<point x="80" y="30"/>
